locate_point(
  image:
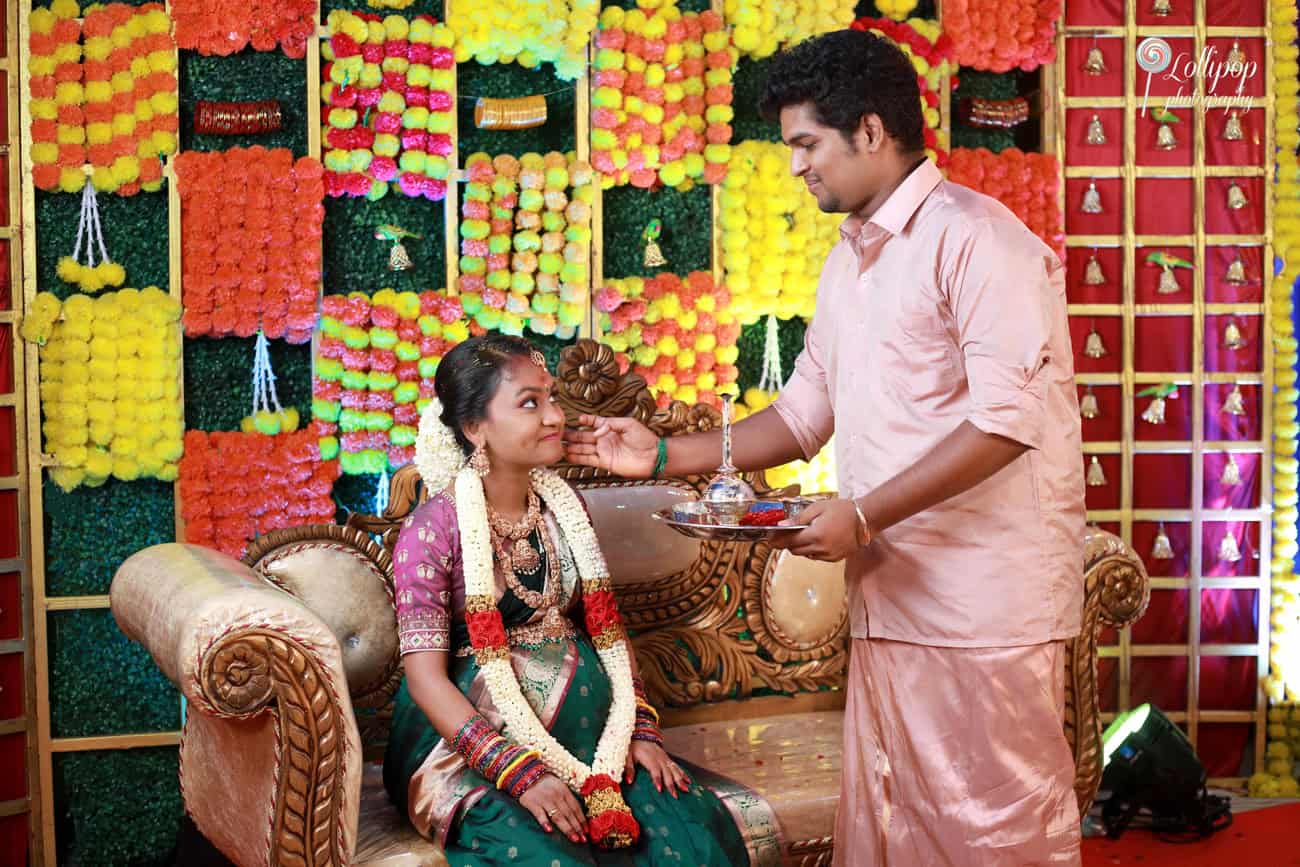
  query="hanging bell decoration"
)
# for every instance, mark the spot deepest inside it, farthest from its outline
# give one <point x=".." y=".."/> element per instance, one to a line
<point x="1236" y="274"/>
<point x="1161" y="8"/>
<point x="1165" y="138"/>
<point x="1092" y="273"/>
<point x="1088" y="407"/>
<point x="1236" y="57"/>
<point x="1092" y="345"/>
<point x="398" y="258"/>
<point x="1228" y="550"/>
<point x="1095" y="62"/>
<point x="1232" y="338"/>
<point x="654" y="256"/>
<point x="1168" y="284"/>
<point x="1096" y="475"/>
<point x="1232" y="127"/>
<point x="1096" y="132"/>
<point x="1235" y="402"/>
<point x="1155" y="411"/>
<point x="1231" y="475"/>
<point x="1236" y="198"/>
<point x="1161" y="549"/>
<point x="1091" y="199"/>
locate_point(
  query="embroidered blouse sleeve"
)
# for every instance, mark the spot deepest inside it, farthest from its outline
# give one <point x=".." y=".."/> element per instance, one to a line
<point x="424" y="564"/>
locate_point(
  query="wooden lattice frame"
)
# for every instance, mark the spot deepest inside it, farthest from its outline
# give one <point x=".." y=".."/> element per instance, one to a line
<point x="1056" y="102"/>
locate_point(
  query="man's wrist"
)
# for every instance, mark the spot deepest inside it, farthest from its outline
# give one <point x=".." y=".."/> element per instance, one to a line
<point x="865" y="531"/>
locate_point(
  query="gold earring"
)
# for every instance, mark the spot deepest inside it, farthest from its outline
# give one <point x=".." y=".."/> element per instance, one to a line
<point x="478" y="461"/>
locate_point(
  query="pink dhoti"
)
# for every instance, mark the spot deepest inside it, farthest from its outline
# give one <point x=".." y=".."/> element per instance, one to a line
<point x="956" y="756"/>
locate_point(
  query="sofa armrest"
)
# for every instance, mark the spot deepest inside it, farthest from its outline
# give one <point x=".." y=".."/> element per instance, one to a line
<point x="270" y="758"/>
<point x="1116" y="592"/>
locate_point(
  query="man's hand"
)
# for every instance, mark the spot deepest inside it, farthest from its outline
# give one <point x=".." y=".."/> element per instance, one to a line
<point x="831" y="536"/>
<point x="622" y="446"/>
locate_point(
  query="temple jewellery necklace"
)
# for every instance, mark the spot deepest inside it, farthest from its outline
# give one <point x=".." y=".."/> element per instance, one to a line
<point x="510" y="542"/>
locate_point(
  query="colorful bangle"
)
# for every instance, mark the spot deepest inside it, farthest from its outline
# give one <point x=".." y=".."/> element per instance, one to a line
<point x="661" y="457"/>
<point x="646" y="726"/>
<point x="512" y="769"/>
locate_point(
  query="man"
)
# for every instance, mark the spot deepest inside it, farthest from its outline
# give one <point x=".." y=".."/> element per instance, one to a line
<point x="940" y="357"/>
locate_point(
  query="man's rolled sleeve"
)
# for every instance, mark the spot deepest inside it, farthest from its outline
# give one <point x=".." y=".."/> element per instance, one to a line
<point x="805" y="402"/>
<point x="1003" y="288"/>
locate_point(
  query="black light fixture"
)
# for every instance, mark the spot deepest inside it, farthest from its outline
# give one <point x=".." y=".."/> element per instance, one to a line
<point x="1149" y="766"/>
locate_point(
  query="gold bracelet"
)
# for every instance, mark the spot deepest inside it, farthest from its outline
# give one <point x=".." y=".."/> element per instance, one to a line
<point x="864" y="536"/>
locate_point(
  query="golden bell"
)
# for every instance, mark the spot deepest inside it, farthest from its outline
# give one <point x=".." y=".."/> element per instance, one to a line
<point x="1088" y="407"/>
<point x="1232" y="338"/>
<point x="1236" y="57"/>
<point x="1236" y="274"/>
<point x="1231" y="475"/>
<point x="1095" y="63"/>
<point x="1092" y="273"/>
<point x="1091" y="199"/>
<point x="1165" y="138"/>
<point x="1236" y="198"/>
<point x="1234" y="403"/>
<point x="1228" y="550"/>
<point x="1096" y="475"/>
<point x="1092" y="345"/>
<point x="1232" y="127"/>
<point x="1161" y="8"/>
<point x="398" y="258"/>
<point x="1161" y="549"/>
<point x="1096" y="132"/>
<point x="1155" y="411"/>
<point x="654" y="257"/>
<point x="1168" y="284"/>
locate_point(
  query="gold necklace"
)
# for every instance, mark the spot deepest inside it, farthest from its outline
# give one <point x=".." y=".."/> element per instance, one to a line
<point x="510" y="540"/>
<point x="546" y="600"/>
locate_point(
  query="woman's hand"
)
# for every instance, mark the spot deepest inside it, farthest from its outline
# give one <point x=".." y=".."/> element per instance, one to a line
<point x="664" y="772"/>
<point x="622" y="446"/>
<point x="549" y="801"/>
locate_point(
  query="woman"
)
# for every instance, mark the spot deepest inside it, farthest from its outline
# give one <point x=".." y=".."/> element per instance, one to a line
<point x="514" y="728"/>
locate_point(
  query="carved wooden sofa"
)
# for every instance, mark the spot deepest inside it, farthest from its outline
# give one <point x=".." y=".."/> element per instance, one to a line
<point x="289" y="660"/>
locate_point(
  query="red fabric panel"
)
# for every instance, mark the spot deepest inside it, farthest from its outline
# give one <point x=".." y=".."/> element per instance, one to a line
<point x="13" y="832"/>
<point x="1111" y="260"/>
<point x="1248" y="151"/>
<point x="1244" y="495"/>
<point x="11" y="684"/>
<point x="1220" y="291"/>
<point x="8" y="442"/>
<point x="1147" y="130"/>
<point x="1229" y="617"/>
<point x="1110" y="328"/>
<point x="1108" y="684"/>
<point x="1247" y="81"/>
<point x="1080" y="83"/>
<point x="1108" y="424"/>
<point x="13" y="761"/>
<point x="8" y="525"/>
<point x="1227" y="682"/>
<point x="1104" y="496"/>
<point x="6" y="287"/>
<point x="1221" y="359"/>
<point x="11" y="606"/>
<point x="1162" y="481"/>
<point x="1235" y="13"/>
<point x="1222" y="749"/>
<point x="1164" y="206"/>
<point x="1162" y="343"/>
<point x="1247" y="536"/>
<point x="1147" y="277"/>
<point x="1178" y="417"/>
<point x="1095" y="12"/>
<point x="1111" y="219"/>
<point x="1165" y="620"/>
<point x="1221" y="220"/>
<point x="1161" y="680"/>
<point x="1077" y="150"/>
<point x="4" y="181"/>
<point x="6" y="359"/>
<point x="1220" y="425"/>
<point x="1180" y="540"/>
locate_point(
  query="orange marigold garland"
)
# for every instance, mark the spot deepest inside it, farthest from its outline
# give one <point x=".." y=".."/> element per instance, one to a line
<point x="250" y="242"/>
<point x="1027" y="183"/>
<point x="224" y="28"/>
<point x="236" y="486"/>
<point x="58" y="119"/>
<point x="998" y="36"/>
<point x="679" y="335"/>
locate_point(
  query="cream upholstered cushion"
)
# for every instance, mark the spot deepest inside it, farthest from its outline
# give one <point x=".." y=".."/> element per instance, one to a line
<point x="384" y="837"/>
<point x="804" y="604"/>
<point x="638" y="548"/>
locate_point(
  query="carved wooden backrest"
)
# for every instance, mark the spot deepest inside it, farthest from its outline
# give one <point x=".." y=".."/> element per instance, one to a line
<point x="735" y="618"/>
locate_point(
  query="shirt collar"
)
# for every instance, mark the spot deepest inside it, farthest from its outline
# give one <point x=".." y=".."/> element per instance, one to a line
<point x="893" y="216"/>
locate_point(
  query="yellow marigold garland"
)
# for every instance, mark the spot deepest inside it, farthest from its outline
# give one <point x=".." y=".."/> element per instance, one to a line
<point x="760" y="28"/>
<point x="530" y="32"/>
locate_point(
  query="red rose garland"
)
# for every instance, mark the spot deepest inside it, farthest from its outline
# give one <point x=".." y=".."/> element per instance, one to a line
<point x="250" y="242"/>
<point x="1027" y="183"/>
<point x="225" y="27"/>
<point x="236" y="486"/>
<point x="998" y="36"/>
